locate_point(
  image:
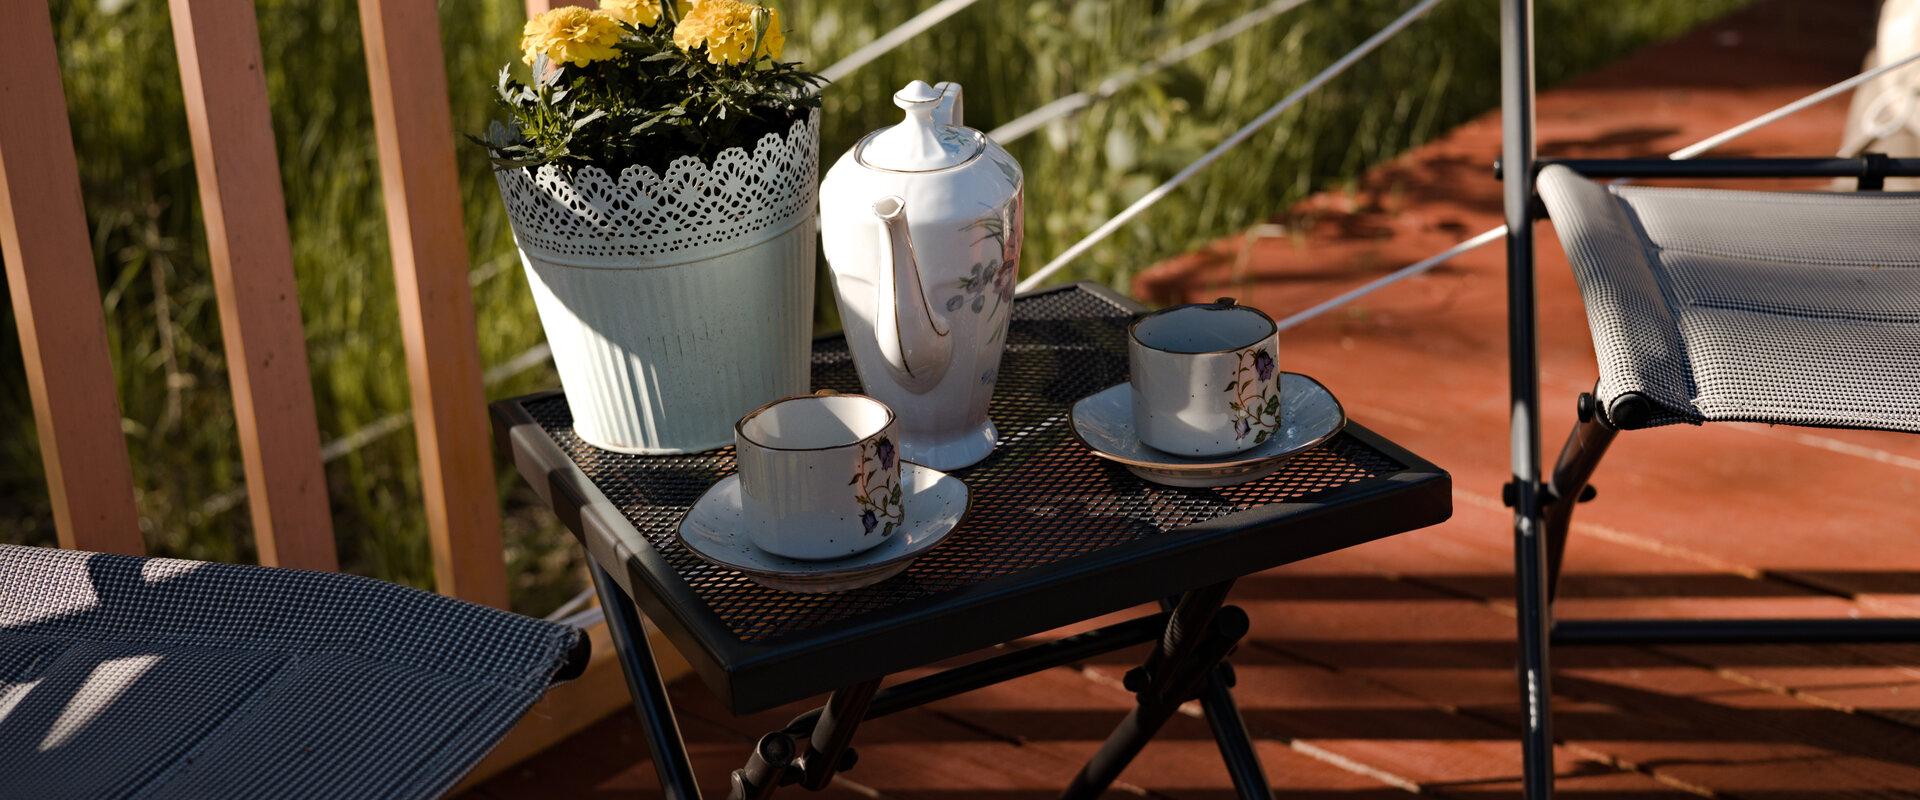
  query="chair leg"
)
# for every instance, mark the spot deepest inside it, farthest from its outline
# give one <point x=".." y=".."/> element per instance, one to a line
<point x="1536" y="690"/>
<point x="649" y="693"/>
<point x="1567" y="486"/>
<point x="1539" y="547"/>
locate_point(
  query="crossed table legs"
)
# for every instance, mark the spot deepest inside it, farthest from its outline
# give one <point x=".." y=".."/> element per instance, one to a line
<point x="1195" y="635"/>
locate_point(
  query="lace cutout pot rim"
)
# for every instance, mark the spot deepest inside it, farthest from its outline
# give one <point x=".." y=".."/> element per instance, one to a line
<point x="696" y="210"/>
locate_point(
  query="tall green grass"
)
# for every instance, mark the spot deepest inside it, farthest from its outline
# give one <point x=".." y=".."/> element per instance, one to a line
<point x="123" y="92"/>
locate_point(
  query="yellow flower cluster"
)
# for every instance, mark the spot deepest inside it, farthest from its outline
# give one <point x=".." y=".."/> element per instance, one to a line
<point x="641" y="13"/>
<point x="728" y="29"/>
<point x="571" y="35"/>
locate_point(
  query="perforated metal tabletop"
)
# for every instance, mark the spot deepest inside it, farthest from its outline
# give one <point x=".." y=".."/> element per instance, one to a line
<point x="1055" y="535"/>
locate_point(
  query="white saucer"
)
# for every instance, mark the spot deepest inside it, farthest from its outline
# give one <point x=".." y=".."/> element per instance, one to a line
<point x="1309" y="416"/>
<point x="715" y="530"/>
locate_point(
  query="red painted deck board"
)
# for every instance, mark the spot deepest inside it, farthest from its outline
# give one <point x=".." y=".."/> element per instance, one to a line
<point x="1385" y="670"/>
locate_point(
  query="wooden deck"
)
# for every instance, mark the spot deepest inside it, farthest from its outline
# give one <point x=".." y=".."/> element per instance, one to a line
<point x="1387" y="669"/>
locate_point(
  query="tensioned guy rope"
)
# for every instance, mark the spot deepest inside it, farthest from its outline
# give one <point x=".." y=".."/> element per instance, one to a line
<point x="1492" y="235"/>
<point x="1159" y="192"/>
<point x="1111" y="85"/>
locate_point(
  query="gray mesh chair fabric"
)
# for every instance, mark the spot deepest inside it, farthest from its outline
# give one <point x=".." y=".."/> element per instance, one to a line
<point x="1798" y="308"/>
<point x="155" y="678"/>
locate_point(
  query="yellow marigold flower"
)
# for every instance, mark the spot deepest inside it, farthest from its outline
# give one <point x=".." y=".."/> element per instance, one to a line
<point x="570" y="35"/>
<point x="726" y="27"/>
<point x="641" y="13"/>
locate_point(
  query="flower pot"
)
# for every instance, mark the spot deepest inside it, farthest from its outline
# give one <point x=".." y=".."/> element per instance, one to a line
<point x="674" y="303"/>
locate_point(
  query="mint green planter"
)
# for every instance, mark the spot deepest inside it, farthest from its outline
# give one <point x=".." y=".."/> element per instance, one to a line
<point x="674" y="304"/>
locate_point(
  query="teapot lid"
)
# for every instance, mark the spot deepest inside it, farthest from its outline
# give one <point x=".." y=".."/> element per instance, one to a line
<point x="930" y="138"/>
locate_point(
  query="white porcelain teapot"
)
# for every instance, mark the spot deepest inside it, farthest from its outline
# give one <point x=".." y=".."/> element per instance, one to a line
<point x="921" y="224"/>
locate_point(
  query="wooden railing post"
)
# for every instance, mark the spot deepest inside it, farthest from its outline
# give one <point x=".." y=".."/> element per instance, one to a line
<point x="414" y="125"/>
<point x="225" y="86"/>
<point x="56" y="297"/>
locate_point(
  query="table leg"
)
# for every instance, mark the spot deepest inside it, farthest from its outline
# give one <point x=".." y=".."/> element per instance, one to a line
<point x="777" y="760"/>
<point x="1199" y="635"/>
<point x="1230" y="732"/>
<point x="827" y="745"/>
<point x="643" y="683"/>
<point x="772" y="757"/>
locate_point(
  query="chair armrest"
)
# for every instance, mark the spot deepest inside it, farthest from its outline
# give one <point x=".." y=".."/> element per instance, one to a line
<point x="1870" y="168"/>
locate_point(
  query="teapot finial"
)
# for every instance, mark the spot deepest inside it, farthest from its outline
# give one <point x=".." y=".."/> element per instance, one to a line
<point x="929" y="138"/>
<point x="917" y="96"/>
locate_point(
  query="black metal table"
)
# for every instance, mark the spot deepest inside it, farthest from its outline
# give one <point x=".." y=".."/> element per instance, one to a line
<point x="1055" y="536"/>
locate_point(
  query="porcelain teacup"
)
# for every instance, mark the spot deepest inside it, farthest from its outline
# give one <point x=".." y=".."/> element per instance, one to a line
<point x="820" y="475"/>
<point x="1205" y="378"/>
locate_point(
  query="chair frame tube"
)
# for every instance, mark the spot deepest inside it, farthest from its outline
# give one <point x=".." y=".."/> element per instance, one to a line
<point x="1529" y="547"/>
<point x="1866" y="166"/>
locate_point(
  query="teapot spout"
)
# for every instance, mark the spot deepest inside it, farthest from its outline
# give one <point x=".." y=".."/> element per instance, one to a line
<point x="913" y="337"/>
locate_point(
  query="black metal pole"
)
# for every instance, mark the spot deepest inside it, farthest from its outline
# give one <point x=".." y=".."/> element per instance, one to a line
<point x="649" y="692"/>
<point x="1229" y="728"/>
<point x="1017" y="663"/>
<point x="1187" y="622"/>
<point x="1530" y="552"/>
<point x="999" y="669"/>
<point x="831" y="735"/>
<point x="1230" y="733"/>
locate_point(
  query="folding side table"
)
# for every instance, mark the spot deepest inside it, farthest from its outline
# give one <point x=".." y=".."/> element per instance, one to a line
<point x="1055" y="536"/>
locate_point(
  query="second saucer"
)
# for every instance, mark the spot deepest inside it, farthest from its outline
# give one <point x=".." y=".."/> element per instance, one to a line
<point x="1310" y="415"/>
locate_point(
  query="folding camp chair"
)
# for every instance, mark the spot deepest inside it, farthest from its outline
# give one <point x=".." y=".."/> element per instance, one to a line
<point x="156" y="678"/>
<point x="1788" y="308"/>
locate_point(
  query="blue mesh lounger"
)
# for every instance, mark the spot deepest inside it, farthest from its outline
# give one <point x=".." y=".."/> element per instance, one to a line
<point x="157" y="678"/>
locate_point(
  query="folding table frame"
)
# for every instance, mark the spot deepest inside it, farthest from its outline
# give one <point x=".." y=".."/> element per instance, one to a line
<point x="1054" y="537"/>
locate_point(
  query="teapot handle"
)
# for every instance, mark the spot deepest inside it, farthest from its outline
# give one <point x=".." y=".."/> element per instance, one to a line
<point x="950" y="111"/>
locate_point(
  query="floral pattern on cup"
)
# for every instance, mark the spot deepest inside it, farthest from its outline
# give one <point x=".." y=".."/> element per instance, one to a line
<point x="876" y="485"/>
<point x="1256" y="395"/>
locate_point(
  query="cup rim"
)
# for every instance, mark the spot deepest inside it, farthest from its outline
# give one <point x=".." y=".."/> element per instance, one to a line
<point x="739" y="426"/>
<point x="1221" y="304"/>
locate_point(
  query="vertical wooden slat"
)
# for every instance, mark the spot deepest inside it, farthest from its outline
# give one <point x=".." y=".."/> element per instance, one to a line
<point x="233" y="153"/>
<point x="414" y="126"/>
<point x="56" y="298"/>
<point x="537" y="7"/>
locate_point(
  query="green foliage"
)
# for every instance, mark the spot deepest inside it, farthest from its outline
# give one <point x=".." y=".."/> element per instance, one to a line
<point x="122" y="85"/>
<point x="649" y="105"/>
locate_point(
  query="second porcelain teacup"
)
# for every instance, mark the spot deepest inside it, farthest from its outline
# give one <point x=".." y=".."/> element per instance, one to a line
<point x="1205" y="377"/>
<point x="820" y="475"/>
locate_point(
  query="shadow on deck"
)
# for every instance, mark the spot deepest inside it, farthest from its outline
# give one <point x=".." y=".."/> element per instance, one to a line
<point x="1387" y="669"/>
